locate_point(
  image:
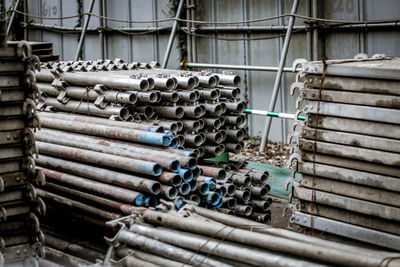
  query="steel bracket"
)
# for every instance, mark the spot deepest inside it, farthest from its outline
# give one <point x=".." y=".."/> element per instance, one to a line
<point x="297" y="62"/>
<point x="99" y="89"/>
<point x="29" y="107"/>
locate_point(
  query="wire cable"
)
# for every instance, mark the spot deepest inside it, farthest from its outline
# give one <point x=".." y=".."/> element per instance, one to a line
<point x="217" y="22"/>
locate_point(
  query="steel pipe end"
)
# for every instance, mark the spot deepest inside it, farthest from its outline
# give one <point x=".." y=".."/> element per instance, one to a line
<point x="202" y="123"/>
<point x="174" y="97"/>
<point x="155" y="188"/>
<point x="217" y="124"/>
<point x="263" y="192"/>
<point x="176" y="180"/>
<point x="212" y="198"/>
<point x="153" y="97"/>
<point x="267" y="188"/>
<point x="197" y="80"/>
<point x="246" y="210"/>
<point x="196" y="172"/>
<point x="195" y="198"/>
<point x="157" y="169"/>
<point x="139" y="200"/>
<point x="174" y="142"/>
<point x="191" y="83"/>
<point x="236" y="80"/>
<point x="247" y="181"/>
<point x="221" y="174"/>
<point x="132" y="99"/>
<point x="179" y="112"/>
<point x="231" y="203"/>
<point x="222" y="120"/>
<point x="214" y="94"/>
<point x="179" y="202"/>
<point x="198" y="112"/>
<point x="181" y="139"/>
<point x="144" y="85"/>
<point x="235" y="92"/>
<point x="192" y="96"/>
<point x="180" y="125"/>
<point x="150" y="201"/>
<point x="223" y="189"/>
<point x="218" y="80"/>
<point x="174" y="165"/>
<point x="184" y="189"/>
<point x="231" y="189"/>
<point x="241" y="107"/>
<point x="211" y="81"/>
<point x="170" y="192"/>
<point x="123" y="114"/>
<point x="246" y="196"/>
<point x="191" y="164"/>
<point x="175" y="83"/>
<point x="151" y="83"/>
<point x="193" y="185"/>
<point x="201" y="151"/>
<point x="204" y="188"/>
<point x="263" y="179"/>
<point x="219" y="137"/>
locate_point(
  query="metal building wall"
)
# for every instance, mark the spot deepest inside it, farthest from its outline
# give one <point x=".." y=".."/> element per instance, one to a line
<point x="258" y="85"/>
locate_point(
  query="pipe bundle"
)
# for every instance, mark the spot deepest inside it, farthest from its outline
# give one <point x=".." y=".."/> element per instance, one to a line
<point x="196" y="236"/>
<point x="245" y="192"/>
<point x="21" y="238"/>
<point x="202" y="109"/>
<point x="348" y="150"/>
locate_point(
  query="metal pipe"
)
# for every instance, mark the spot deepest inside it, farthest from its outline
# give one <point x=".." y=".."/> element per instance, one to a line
<point x="217" y="173"/>
<point x="234" y="67"/>
<point x="88" y="108"/>
<point x="107" y="131"/>
<point x="216" y="247"/>
<point x="268" y="242"/>
<point x="165" y="250"/>
<point x="12" y="19"/>
<point x="315" y="40"/>
<point x="101" y="121"/>
<point x="175" y="112"/>
<point x="149" y="257"/>
<point x="117" y="206"/>
<point x="279" y="75"/>
<point x="85" y="26"/>
<point x="172" y="35"/>
<point x="121" y="194"/>
<point x="275" y="114"/>
<point x="138" y="166"/>
<point x="77" y="205"/>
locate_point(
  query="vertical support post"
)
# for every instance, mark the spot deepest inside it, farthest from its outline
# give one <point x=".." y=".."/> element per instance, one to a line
<point x="309" y="33"/>
<point x="188" y="36"/>
<point x="193" y="25"/>
<point x="315" y="31"/>
<point x="279" y="75"/>
<point x="172" y="35"/>
<point x="12" y="18"/>
<point x="85" y="26"/>
<point x="101" y="33"/>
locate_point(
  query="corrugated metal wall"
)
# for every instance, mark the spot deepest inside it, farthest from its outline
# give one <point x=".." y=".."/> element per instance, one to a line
<point x="258" y="85"/>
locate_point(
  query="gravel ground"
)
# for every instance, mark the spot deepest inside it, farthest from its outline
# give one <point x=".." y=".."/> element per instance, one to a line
<point x="276" y="154"/>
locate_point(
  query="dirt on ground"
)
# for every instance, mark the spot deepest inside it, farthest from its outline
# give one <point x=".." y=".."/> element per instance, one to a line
<point x="276" y="154"/>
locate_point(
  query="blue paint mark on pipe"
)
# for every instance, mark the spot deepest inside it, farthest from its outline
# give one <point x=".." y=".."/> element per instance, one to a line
<point x="186" y="174"/>
<point x="155" y="138"/>
<point x="219" y="204"/>
<point x="193" y="185"/>
<point x="139" y="200"/>
<point x="174" y="143"/>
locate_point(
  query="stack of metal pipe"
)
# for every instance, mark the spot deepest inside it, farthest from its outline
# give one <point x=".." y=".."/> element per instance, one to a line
<point x="196" y="236"/>
<point x="202" y="109"/>
<point x="348" y="150"/>
<point x="245" y="192"/>
<point x="20" y="236"/>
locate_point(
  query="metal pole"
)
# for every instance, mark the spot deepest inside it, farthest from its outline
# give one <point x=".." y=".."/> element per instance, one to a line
<point x="172" y="36"/>
<point x="315" y="31"/>
<point x="188" y="36"/>
<point x="85" y="26"/>
<point x="12" y="18"/>
<point x="279" y="75"/>
<point x="234" y="67"/>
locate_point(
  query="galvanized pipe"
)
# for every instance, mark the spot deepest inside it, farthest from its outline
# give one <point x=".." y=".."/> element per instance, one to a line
<point x="94" y="144"/>
<point x="121" y="194"/>
<point x="268" y="242"/>
<point x="88" y="108"/>
<point x="165" y="250"/>
<point x="117" y="206"/>
<point x="77" y="205"/>
<point x="279" y="75"/>
<point x="100" y="174"/>
<point x="107" y="131"/>
<point x="172" y="36"/>
<point x="85" y="26"/>
<point x="216" y="247"/>
<point x="138" y="166"/>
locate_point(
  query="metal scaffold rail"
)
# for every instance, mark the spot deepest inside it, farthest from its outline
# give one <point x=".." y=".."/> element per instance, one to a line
<point x="275" y="114"/>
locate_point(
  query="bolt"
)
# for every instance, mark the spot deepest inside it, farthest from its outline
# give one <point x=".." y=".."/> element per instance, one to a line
<point x="18" y="252"/>
<point x="16" y="136"/>
<point x="313" y="95"/>
<point x="310" y="80"/>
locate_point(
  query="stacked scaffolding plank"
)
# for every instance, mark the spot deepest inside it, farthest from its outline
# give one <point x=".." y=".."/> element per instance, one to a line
<point x="349" y="150"/>
<point x="20" y="236"/>
<point x="202" y="109"/>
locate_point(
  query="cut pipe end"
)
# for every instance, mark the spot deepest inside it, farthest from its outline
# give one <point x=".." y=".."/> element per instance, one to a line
<point x="184" y="189"/>
<point x="144" y="85"/>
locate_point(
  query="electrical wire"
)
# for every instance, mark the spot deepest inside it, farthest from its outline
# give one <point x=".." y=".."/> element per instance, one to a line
<point x="218" y="22"/>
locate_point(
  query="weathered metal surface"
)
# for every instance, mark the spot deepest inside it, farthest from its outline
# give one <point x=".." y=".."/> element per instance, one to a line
<point x="351" y="190"/>
<point x="355" y="84"/>
<point x="350" y="217"/>
<point x="375" y="100"/>
<point x="353" y="126"/>
<point x="347" y="230"/>
<point x="355" y="112"/>
<point x="350" y="176"/>
<point x="352" y="204"/>
<point x="351" y="164"/>
<point x="364" y="154"/>
<point x="350" y="139"/>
